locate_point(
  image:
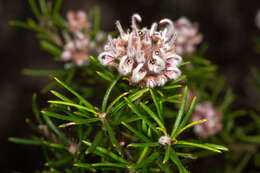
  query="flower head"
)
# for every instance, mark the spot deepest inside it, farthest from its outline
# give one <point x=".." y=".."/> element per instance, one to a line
<point x="77" y="50"/>
<point x="147" y="56"/>
<point x="213" y="116"/>
<point x="165" y="140"/>
<point x="187" y="36"/>
<point x="257" y="19"/>
<point x="78" y="43"/>
<point x="77" y="20"/>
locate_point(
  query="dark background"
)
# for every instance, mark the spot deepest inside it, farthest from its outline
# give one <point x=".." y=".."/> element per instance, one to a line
<point x="228" y="27"/>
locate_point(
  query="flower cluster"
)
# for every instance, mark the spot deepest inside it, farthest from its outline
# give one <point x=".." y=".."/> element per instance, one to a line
<point x="257" y="19"/>
<point x="213" y="117"/>
<point x="78" y="47"/>
<point x="147" y="56"/>
<point x="187" y="36"/>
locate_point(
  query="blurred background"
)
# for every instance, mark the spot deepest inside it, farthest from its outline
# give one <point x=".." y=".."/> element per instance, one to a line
<point x="228" y="27"/>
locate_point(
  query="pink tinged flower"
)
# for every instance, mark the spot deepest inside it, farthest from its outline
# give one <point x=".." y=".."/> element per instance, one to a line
<point x="135" y="17"/>
<point x="188" y="36"/>
<point x="77" y="21"/>
<point x="173" y="73"/>
<point x="150" y="82"/>
<point x="126" y="65"/>
<point x="66" y="55"/>
<point x="153" y="30"/>
<point x="105" y="58"/>
<point x="173" y="60"/>
<point x="123" y="35"/>
<point x="122" y="143"/>
<point x="138" y="73"/>
<point x="257" y="19"/>
<point x="146" y="56"/>
<point x="161" y="80"/>
<point x="213" y="116"/>
<point x="156" y="64"/>
<point x="169" y="30"/>
<point x="165" y="140"/>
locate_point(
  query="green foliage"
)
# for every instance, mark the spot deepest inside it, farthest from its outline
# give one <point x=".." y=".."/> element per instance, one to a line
<point x="100" y="123"/>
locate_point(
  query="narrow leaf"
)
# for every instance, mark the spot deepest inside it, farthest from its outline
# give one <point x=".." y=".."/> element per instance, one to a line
<point x="74" y="105"/>
<point x="177" y="161"/>
<point x="107" y="153"/>
<point x="24" y="141"/>
<point x="117" y="165"/>
<point x="112" y="136"/>
<point x="180" y="113"/>
<point x="137" y="133"/>
<point x="156" y="103"/>
<point x="36" y="109"/>
<point x="105" y="100"/>
<point x="153" y="115"/>
<point x="52" y="126"/>
<point x="69" y="118"/>
<point x="34" y="8"/>
<point x="190" y="125"/>
<point x="189" y="113"/>
<point x="191" y="144"/>
<point x="148" y="144"/>
<point x="147" y="161"/>
<point x="135" y="110"/>
<point x="167" y="154"/>
<point x="84" y="101"/>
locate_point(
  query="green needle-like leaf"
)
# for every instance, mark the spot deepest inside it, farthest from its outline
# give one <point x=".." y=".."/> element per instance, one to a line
<point x="189" y="113"/>
<point x="104" y="76"/>
<point x="84" y="101"/>
<point x="167" y="154"/>
<point x="74" y="105"/>
<point x="153" y="115"/>
<point x="20" y="24"/>
<point x="59" y="163"/>
<point x="112" y="136"/>
<point x="148" y="144"/>
<point x="61" y="96"/>
<point x="180" y="113"/>
<point x="177" y="161"/>
<point x="117" y="165"/>
<point x="142" y="155"/>
<point x="57" y="7"/>
<point x="157" y="104"/>
<point x="36" y="109"/>
<point x="190" y="125"/>
<point x="69" y="118"/>
<point x="105" y="100"/>
<point x="34" y="8"/>
<point x="43" y="6"/>
<point x="95" y="143"/>
<point x="191" y="144"/>
<point x="135" y="110"/>
<point x="24" y="141"/>
<point x="137" y="133"/>
<point x="219" y="147"/>
<point x="147" y="161"/>
<point x="85" y="165"/>
<point x="50" y="48"/>
<point x="107" y="153"/>
<point x="52" y="126"/>
<point x="133" y="97"/>
<point x="116" y="100"/>
<point x="171" y="87"/>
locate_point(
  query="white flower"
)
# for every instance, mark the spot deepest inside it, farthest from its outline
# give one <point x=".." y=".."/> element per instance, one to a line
<point x="257" y="19"/>
<point x="188" y="36"/>
<point x="147" y="56"/>
<point x="165" y="140"/>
